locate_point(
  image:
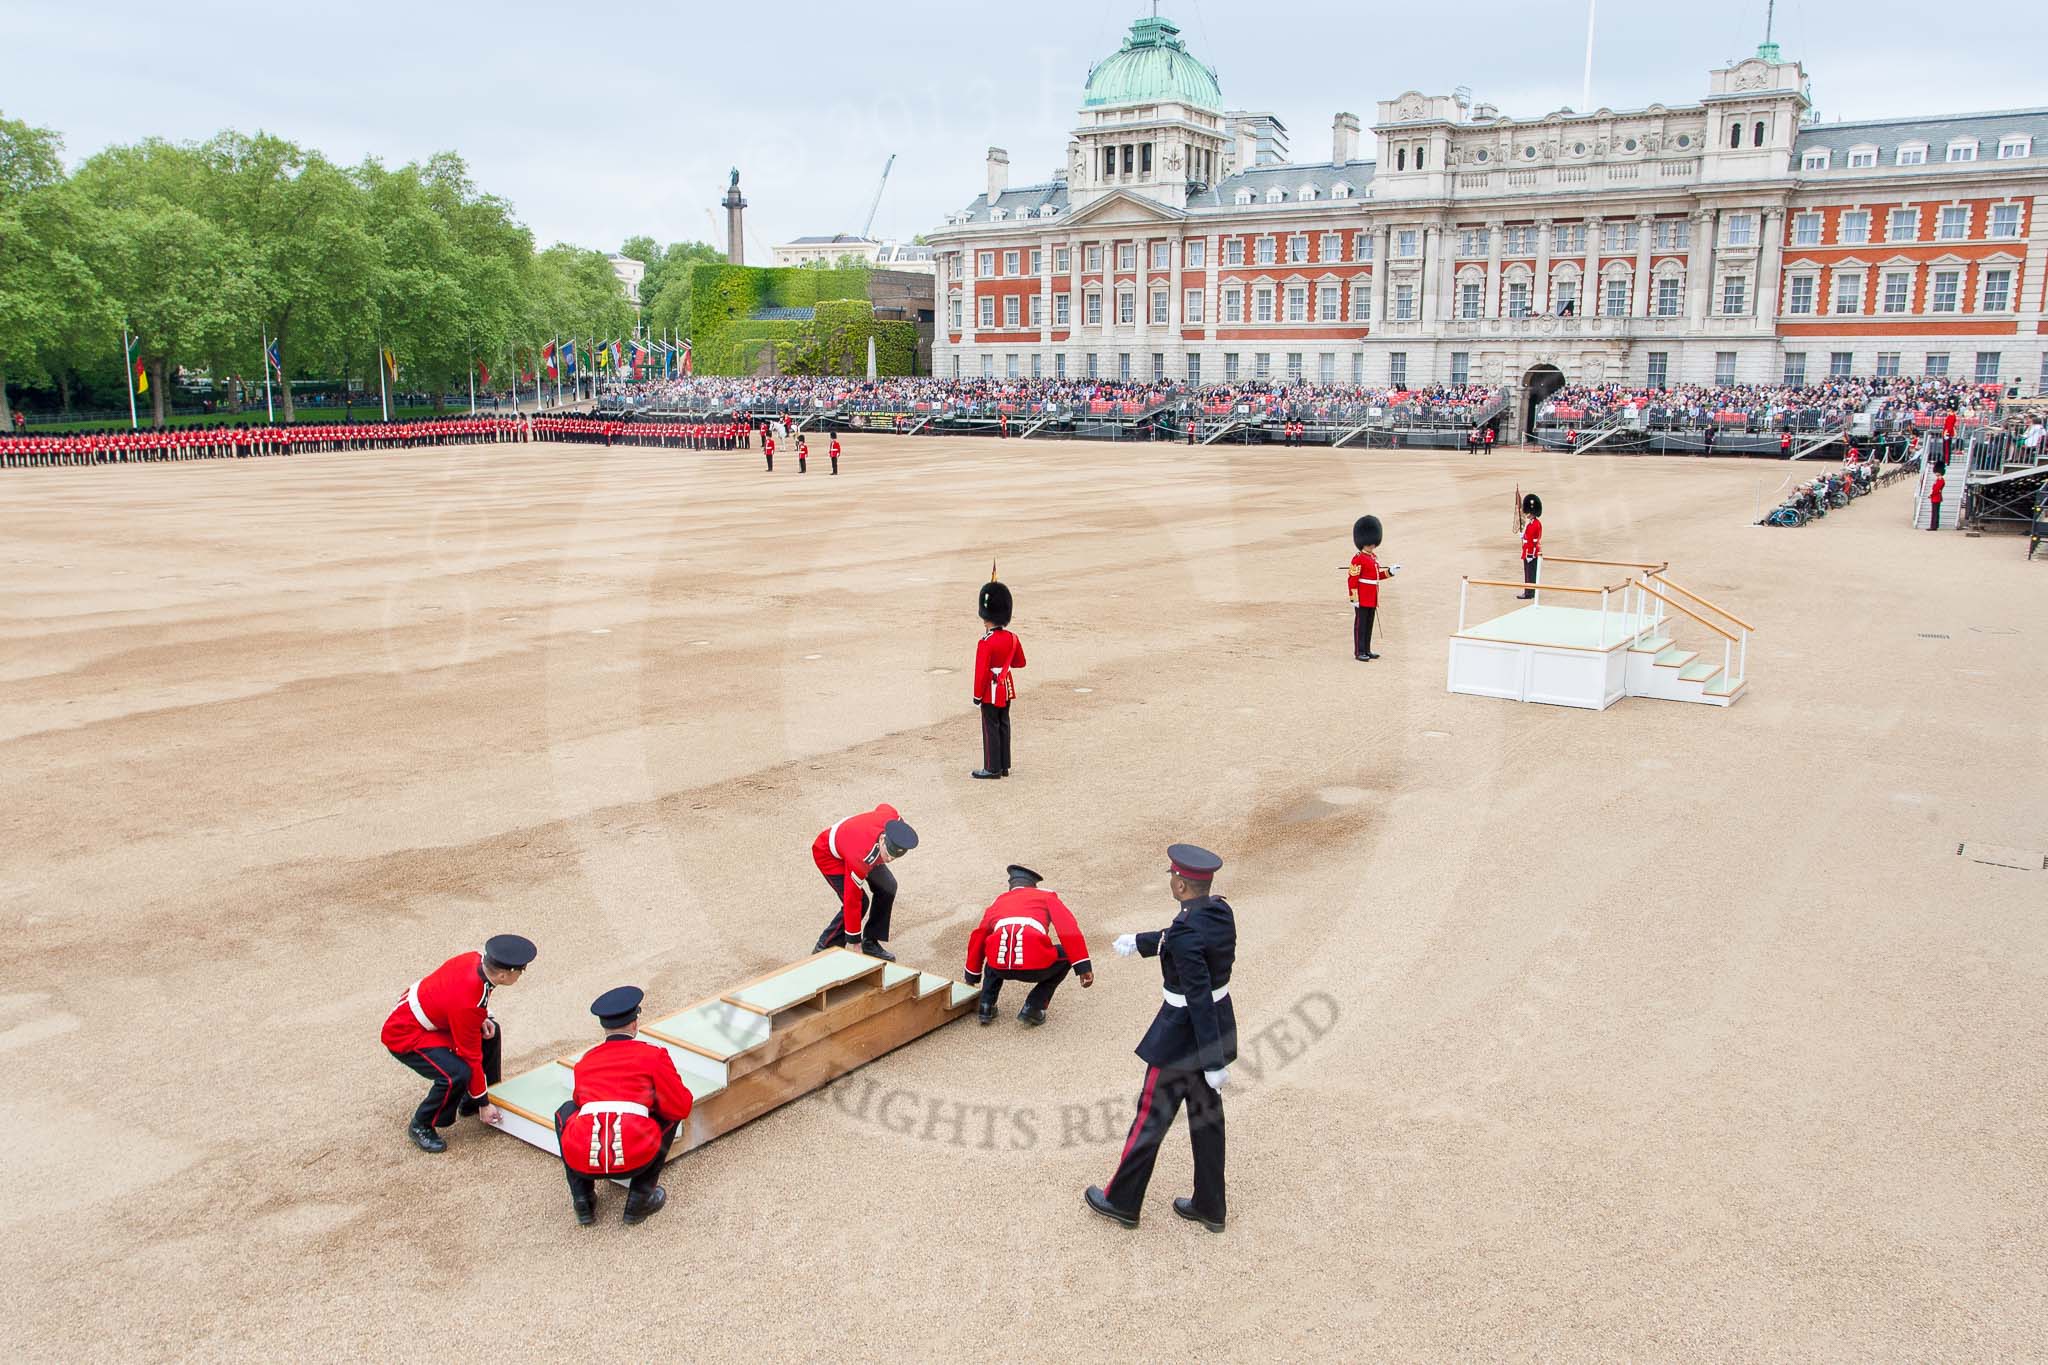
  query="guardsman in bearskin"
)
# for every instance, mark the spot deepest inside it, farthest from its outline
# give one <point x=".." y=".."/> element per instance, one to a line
<point x="854" y="857"/>
<point x="768" y="450"/>
<point x="1189" y="1048"/>
<point x="630" y="1101"/>
<point x="996" y="658"/>
<point x="442" y="1028"/>
<point x="834" y="452"/>
<point x="1026" y="934"/>
<point x="1532" y="540"/>
<point x="1365" y="574"/>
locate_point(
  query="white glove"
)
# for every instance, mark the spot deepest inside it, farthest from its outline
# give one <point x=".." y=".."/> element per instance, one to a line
<point x="1216" y="1078"/>
<point x="1126" y="945"/>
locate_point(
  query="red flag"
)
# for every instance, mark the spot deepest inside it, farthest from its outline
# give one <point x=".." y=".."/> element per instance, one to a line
<point x="686" y="358"/>
<point x="483" y="373"/>
<point x="547" y="356"/>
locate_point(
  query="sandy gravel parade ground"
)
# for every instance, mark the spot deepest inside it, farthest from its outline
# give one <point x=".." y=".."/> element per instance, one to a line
<point x="1668" y="1032"/>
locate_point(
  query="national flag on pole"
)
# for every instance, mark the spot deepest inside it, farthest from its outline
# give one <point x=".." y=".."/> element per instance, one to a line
<point x="483" y="374"/>
<point x="569" y="356"/>
<point x="604" y="356"/>
<point x="391" y="362"/>
<point x="547" y="356"/>
<point x="270" y="354"/>
<point x="135" y="359"/>
<point x="686" y="358"/>
<point x="617" y="355"/>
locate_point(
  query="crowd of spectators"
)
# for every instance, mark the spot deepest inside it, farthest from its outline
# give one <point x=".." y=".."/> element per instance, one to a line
<point x="1890" y="402"/>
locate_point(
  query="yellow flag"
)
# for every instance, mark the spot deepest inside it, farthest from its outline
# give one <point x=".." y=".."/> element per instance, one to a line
<point x="391" y="361"/>
<point x="141" y="378"/>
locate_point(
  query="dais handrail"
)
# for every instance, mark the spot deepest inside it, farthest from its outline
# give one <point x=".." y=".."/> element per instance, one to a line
<point x="1711" y="606"/>
<point x="1680" y="606"/>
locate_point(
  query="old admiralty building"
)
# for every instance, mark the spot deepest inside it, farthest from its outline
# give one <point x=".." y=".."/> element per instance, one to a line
<point x="1723" y="240"/>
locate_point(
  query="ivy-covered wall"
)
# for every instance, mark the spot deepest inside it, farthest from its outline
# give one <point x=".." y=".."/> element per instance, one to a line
<point x="726" y="339"/>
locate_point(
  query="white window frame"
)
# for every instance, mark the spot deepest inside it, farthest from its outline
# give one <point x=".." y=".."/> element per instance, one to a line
<point x="1162" y="303"/>
<point x="1741" y="229"/>
<point x="1806" y="229"/>
<point x="1126" y="256"/>
<point x="1962" y="149"/>
<point x="2019" y="145"/>
<point x="1126" y="307"/>
<point x="1909" y="216"/>
<point x="1330" y="247"/>
<point x="1233" y="304"/>
<point x="1297" y="303"/>
<point x="985" y="312"/>
<point x="1957" y="215"/>
<point x="1945" y="290"/>
<point x="1242" y="197"/>
<point x="1063" y="260"/>
<point x="1995" y="233"/>
<point x="1264" y="251"/>
<point x="1815" y="161"/>
<point x="1035" y="314"/>
<point x="1012" y="311"/>
<point x="1676" y="290"/>
<point x="1985" y="304"/>
<point x="1862" y="158"/>
<point x="1195" y="253"/>
<point x="1233" y="251"/>
<point x="1910" y="154"/>
<point x="1091" y="307"/>
<point x="1846" y="286"/>
<point x="1404" y="301"/>
<point x="1903" y="296"/>
<point x="1735" y="288"/>
<point x="1262" y="303"/>
<point x="1297" y="249"/>
<point x="1329" y="303"/>
<point x="1191" y="307"/>
<point x="985" y="264"/>
<point x="1793" y="301"/>
<point x="1162" y="256"/>
<point x="1853" y="220"/>
<point x="1010" y="259"/>
<point x="1062" y="310"/>
<point x="1092" y="259"/>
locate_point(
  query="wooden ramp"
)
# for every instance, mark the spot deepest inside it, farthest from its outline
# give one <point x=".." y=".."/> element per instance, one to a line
<point x="763" y="1043"/>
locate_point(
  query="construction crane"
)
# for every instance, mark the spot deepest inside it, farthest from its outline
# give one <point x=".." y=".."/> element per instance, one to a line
<point x="869" y="225"/>
<point x="712" y="219"/>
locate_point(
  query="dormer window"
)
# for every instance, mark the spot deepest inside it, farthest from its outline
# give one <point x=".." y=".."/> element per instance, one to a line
<point x="997" y="215"/>
<point x="1276" y="196"/>
<point x="1862" y="158"/>
<point x="1911" y="154"/>
<point x="1049" y="211"/>
<point x="1340" y="190"/>
<point x="1963" y="149"/>
<point x="1305" y="193"/>
<point x="1814" y="161"/>
<point x="1243" y="197"/>
<point x="2011" y="147"/>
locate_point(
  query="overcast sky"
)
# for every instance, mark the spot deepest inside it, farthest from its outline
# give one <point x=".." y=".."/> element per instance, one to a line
<point x="601" y="121"/>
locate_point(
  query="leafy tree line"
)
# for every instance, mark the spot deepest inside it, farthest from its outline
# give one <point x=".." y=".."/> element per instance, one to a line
<point x="201" y="250"/>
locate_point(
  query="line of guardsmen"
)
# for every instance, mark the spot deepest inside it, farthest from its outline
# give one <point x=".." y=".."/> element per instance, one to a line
<point x="629" y="1102"/>
<point x="227" y="441"/>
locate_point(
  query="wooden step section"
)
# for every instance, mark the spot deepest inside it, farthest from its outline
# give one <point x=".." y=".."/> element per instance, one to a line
<point x="1725" y="687"/>
<point x="1655" y="645"/>
<point x="1675" y="658"/>
<point x="1699" y="672"/>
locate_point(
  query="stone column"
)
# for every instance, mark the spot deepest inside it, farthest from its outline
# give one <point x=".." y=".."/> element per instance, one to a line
<point x="1770" y="267"/>
<point x="1699" y="265"/>
<point x="1143" y="301"/>
<point x="1379" y="275"/>
<point x="1539" y="297"/>
<point x="1640" y="307"/>
<point x="1589" y="273"/>
<point x="1494" y="230"/>
<point x="1176" y="258"/>
<point x="1432" y="259"/>
<point x="970" y="303"/>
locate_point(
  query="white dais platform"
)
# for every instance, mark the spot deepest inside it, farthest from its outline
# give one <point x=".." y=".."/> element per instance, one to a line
<point x="1563" y="656"/>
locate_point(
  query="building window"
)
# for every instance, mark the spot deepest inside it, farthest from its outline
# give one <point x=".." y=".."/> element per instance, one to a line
<point x="987" y="311"/>
<point x="1294" y="367"/>
<point x="1568" y="239"/>
<point x="1659" y="374"/>
<point x="1473" y="242"/>
<point x="1887" y="364"/>
<point x="1329" y="303"/>
<point x="1358" y="369"/>
<point x="1806" y="229"/>
<point x="1059" y="366"/>
<point x="1520" y="241"/>
<point x="1297" y="249"/>
<point x="1161" y="255"/>
<point x="1741" y="229"/>
<point x="1233" y="305"/>
<point x="1264" y="253"/>
<point x="1062" y="309"/>
<point x="1230" y="367"/>
<point x="1092" y="309"/>
<point x="1912" y="154"/>
<point x="1195" y="254"/>
<point x="1126" y="256"/>
<point x="1963" y="149"/>
<point x="1795" y="367"/>
<point x="1468" y="300"/>
<point x="1009" y="262"/>
<point x="1616" y="303"/>
<point x="1619" y="237"/>
<point x="1194" y="369"/>
<point x="1735" y="134"/>
<point x="1191" y="307"/>
<point x="1947" y="290"/>
<point x="1397" y="369"/>
<point x="1123" y="366"/>
<point x="1158" y="307"/>
<point x="1814" y="161"/>
<point x="1854" y="228"/>
<point x="1518" y="298"/>
<point x="1799" y="295"/>
<point x="1734" y="295"/>
<point x="953" y="314"/>
<point x="1756" y="134"/>
<point x="956" y="367"/>
<point x="1898" y="289"/>
<point x="1862" y="158"/>
<point x="1242" y="197"/>
<point x="1401" y="159"/>
<point x="1262" y="303"/>
<point x="1667" y="297"/>
<point x="1037" y="365"/>
<point x="1126" y="307"/>
<point x="1276" y="196"/>
<point x="1997" y="291"/>
<point x="1848" y="294"/>
<point x="1953" y="225"/>
<point x="1262" y="365"/>
<point x="1461" y="367"/>
<point x="1037" y="261"/>
<point x="1144" y="158"/>
<point x="1404" y="302"/>
<point x="2005" y="220"/>
<point x="1063" y="261"/>
<point x="1093" y="258"/>
<point x="1158" y="366"/>
<point x="1724" y="368"/>
<point x="1038" y="310"/>
<point x="1841" y="364"/>
<point x="1361" y="246"/>
<point x="1903" y="225"/>
<point x="1937" y="365"/>
<point x="1297" y="303"/>
<point x="986" y="266"/>
<point x="2010" y="147"/>
<point x="1094" y="365"/>
<point x="1330" y="248"/>
<point x="1404" y="242"/>
<point x="1233" y="251"/>
<point x="1361" y="302"/>
<point x="1010" y="306"/>
<point x="1988" y="363"/>
<point x="1565" y="294"/>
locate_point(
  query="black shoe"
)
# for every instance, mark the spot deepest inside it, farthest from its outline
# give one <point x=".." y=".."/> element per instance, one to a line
<point x="874" y="949"/>
<point x="987" y="1013"/>
<point x="425" y="1138"/>
<point x="1524" y="596"/>
<point x="983" y="773"/>
<point x="1032" y="1015"/>
<point x="1362" y="658"/>
<point x="1372" y="656"/>
<point x="1099" y="1201"/>
<point x="1186" y="1209"/>
<point x="655" y="1203"/>
<point x="586" y="1209"/>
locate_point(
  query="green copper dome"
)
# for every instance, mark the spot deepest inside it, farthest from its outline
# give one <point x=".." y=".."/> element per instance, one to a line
<point x="1152" y="66"/>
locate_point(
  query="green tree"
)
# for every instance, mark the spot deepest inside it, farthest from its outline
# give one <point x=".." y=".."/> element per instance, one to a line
<point x="43" y="280"/>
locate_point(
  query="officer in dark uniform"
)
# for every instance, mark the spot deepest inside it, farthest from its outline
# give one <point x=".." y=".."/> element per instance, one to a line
<point x="1189" y="1048"/>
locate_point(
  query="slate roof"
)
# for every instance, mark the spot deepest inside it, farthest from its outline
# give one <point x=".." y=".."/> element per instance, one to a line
<point x="1259" y="180"/>
<point x="1888" y="134"/>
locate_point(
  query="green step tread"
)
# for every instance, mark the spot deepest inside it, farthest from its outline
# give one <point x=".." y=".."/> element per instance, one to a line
<point x="1652" y="646"/>
<point x="1698" y="672"/>
<point x="1676" y="658"/>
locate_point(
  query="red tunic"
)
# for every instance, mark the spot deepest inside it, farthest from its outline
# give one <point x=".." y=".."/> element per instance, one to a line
<point x="848" y="850"/>
<point x="1013" y="935"/>
<point x="998" y="653"/>
<point x="627" y="1091"/>
<point x="1532" y="539"/>
<point x="1364" y="579"/>
<point x="446" y="1008"/>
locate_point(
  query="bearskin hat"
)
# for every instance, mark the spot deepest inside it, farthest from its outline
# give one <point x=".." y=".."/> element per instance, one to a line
<point x="1532" y="505"/>
<point x="996" y="604"/>
<point x="1365" y="533"/>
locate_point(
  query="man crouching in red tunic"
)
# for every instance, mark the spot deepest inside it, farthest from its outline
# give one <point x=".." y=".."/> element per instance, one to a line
<point x="630" y="1101"/>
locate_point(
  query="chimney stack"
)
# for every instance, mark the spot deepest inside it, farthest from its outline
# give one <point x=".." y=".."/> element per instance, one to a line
<point x="1245" y="147"/>
<point x="998" y="174"/>
<point x="1344" y="139"/>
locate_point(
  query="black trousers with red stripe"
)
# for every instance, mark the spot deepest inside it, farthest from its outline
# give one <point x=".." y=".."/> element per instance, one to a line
<point x="639" y="1183"/>
<point x="1044" y="981"/>
<point x="879" y="897"/>
<point x="1165" y="1091"/>
<point x="995" y="738"/>
<point x="448" y="1096"/>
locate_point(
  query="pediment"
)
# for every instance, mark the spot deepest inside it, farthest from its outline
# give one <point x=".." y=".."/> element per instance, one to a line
<point x="1120" y="207"/>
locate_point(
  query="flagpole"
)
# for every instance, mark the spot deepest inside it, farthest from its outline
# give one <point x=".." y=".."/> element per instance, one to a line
<point x="269" y="407"/>
<point x="472" y="386"/>
<point x="128" y="368"/>
<point x="384" y="381"/>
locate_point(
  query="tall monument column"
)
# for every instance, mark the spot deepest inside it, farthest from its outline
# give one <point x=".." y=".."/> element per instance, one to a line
<point x="735" y="228"/>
